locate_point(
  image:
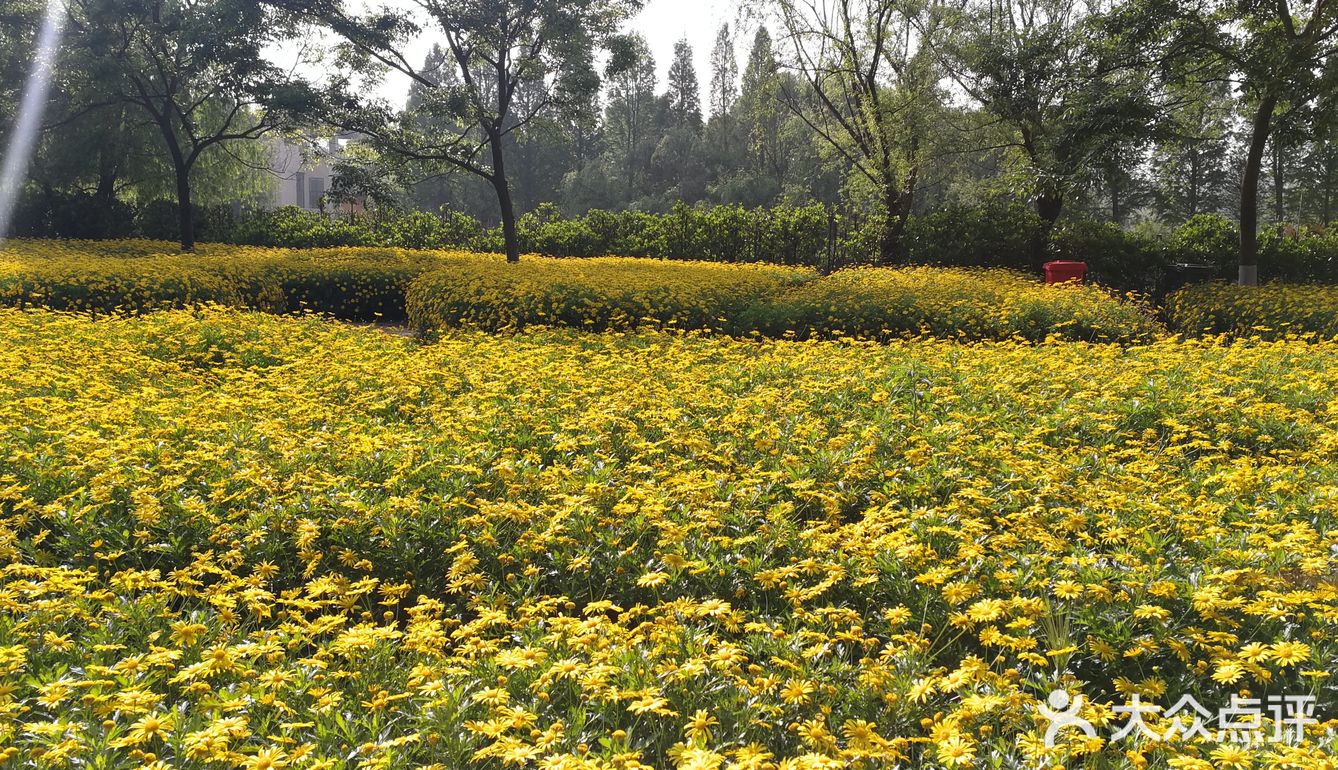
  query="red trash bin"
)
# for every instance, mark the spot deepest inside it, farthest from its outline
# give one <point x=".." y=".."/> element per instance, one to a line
<point x="1063" y="272"/>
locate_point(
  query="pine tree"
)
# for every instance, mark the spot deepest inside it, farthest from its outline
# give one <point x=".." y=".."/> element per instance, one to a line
<point x="762" y="66"/>
<point x="684" y="95"/>
<point x="630" y="117"/>
<point x="724" y="74"/>
<point x="437" y="68"/>
<point x="760" y="110"/>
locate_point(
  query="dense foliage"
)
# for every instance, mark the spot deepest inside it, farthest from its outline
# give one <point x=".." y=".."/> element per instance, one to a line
<point x="1273" y="310"/>
<point x="595" y="294"/>
<point x="243" y="541"/>
<point x="880" y="303"/>
<point x="435" y="290"/>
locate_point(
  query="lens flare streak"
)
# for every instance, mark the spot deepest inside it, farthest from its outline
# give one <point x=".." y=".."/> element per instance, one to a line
<point x="29" y="123"/>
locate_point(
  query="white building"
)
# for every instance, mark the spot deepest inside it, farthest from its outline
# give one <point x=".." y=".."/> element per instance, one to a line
<point x="303" y="172"/>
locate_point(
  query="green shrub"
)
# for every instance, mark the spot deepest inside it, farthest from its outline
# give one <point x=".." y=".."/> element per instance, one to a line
<point x="1269" y="311"/>
<point x="595" y="294"/>
<point x="291" y="227"/>
<point x="966" y="303"/>
<point x="786" y="235"/>
<point x="51" y="213"/>
<point x="1115" y="256"/>
<point x="973" y="236"/>
<point x="1208" y="239"/>
<point x="139" y="276"/>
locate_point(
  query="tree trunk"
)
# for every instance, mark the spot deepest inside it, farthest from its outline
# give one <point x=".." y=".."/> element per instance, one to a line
<point x="109" y="167"/>
<point x="104" y="202"/>
<point x="1049" y="206"/>
<point x="106" y="189"/>
<point x="1194" y="182"/>
<point x="1249" y="192"/>
<point x="181" y="165"/>
<point x="1328" y="191"/>
<point x="504" y="201"/>
<point x="185" y="219"/>
<point x="1279" y="185"/>
<point x="897" y="204"/>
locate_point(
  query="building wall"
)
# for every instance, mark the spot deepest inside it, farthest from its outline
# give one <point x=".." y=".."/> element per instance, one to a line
<point x="300" y="183"/>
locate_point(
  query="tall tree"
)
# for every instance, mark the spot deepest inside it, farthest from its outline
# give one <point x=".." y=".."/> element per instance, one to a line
<point x="1319" y="168"/>
<point x="684" y="94"/>
<point x="760" y="103"/>
<point x="196" y="69"/>
<point x="762" y="63"/>
<point x="501" y="50"/>
<point x="19" y="20"/>
<point x="1280" y="54"/>
<point x="865" y="76"/>
<point x="433" y="190"/>
<point x="125" y="148"/>
<point x="630" y="117"/>
<point x="1191" y="163"/>
<point x="1050" y="71"/>
<point x="724" y="74"/>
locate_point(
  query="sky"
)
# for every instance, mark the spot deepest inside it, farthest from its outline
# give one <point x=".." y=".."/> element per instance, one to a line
<point x="665" y="22"/>
<point x="662" y="22"/>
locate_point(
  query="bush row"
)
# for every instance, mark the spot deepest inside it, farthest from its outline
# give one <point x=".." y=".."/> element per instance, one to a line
<point x="439" y="289"/>
<point x="967" y="303"/>
<point x="960" y="236"/>
<point x="597" y="294"/>
<point x="783" y="235"/>
<point x="435" y="290"/>
<point x="863" y="303"/>
<point x="138" y="276"/>
<point x="1270" y="311"/>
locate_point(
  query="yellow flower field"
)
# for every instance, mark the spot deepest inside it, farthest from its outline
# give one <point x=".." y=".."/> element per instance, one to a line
<point x="236" y="540"/>
<point x="1270" y="311"/>
<point x="961" y="303"/>
<point x="594" y="294"/>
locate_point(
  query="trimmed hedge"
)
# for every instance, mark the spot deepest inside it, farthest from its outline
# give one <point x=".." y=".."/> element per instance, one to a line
<point x="127" y="277"/>
<point x="1270" y="311"/>
<point x="966" y="303"/>
<point x="609" y="293"/>
<point x="434" y="290"/>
